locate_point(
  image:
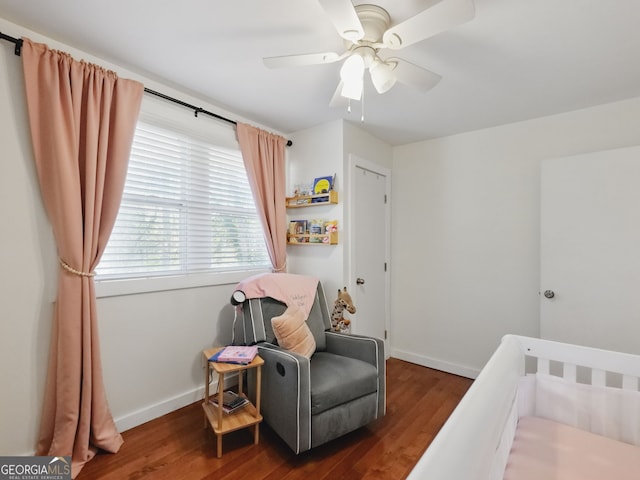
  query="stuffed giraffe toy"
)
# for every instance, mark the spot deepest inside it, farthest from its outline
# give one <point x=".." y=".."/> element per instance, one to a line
<point x="338" y="322"/>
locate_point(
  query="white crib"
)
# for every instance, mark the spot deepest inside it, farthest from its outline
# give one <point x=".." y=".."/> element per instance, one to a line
<point x="596" y="391"/>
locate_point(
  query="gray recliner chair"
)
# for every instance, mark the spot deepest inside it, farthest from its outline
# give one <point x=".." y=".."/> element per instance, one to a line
<point x="308" y="402"/>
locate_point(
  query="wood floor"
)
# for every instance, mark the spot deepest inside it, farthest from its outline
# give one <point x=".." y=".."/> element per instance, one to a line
<point x="177" y="446"/>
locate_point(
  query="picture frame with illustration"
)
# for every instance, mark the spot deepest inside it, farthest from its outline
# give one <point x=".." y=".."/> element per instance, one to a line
<point x="323" y="185"/>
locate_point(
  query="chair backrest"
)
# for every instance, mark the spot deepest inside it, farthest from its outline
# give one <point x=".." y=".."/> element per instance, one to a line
<point x="258" y="312"/>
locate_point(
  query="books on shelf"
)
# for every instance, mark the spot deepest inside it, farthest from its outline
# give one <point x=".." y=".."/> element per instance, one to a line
<point x="235" y="354"/>
<point x="311" y="231"/>
<point x="297" y="231"/>
<point x="231" y="401"/>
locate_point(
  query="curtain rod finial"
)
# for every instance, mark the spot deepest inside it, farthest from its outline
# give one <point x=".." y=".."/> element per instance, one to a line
<point x="16" y="41"/>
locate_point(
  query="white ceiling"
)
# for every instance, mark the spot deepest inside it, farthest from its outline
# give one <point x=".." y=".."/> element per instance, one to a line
<point x="518" y="59"/>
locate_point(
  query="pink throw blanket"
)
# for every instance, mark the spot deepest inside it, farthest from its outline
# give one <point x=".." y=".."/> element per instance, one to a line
<point x="288" y="288"/>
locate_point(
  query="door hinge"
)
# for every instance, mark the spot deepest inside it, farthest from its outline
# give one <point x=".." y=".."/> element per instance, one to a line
<point x="385" y="198"/>
<point x="385" y="266"/>
<point x="385" y="334"/>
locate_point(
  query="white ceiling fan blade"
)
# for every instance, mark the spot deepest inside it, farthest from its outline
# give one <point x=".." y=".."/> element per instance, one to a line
<point x="301" y="60"/>
<point x="442" y="16"/>
<point x="414" y="76"/>
<point x="344" y="18"/>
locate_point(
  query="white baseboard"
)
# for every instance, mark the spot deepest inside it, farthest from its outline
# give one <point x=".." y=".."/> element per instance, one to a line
<point x="143" y="415"/>
<point x="150" y="412"/>
<point x="456" y="369"/>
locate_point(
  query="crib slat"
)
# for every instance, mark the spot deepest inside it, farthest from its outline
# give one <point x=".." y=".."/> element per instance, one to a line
<point x="629" y="383"/>
<point x="543" y="365"/>
<point x="598" y="378"/>
<point x="569" y="372"/>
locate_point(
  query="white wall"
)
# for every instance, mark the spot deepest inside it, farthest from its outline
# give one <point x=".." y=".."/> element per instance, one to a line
<point x="465" y="241"/>
<point x="366" y="146"/>
<point x="150" y="342"/>
<point x="319" y="151"/>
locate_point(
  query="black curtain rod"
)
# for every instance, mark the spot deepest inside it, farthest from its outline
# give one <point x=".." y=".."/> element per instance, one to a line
<point x="196" y="110"/>
<point x="16" y="41"/>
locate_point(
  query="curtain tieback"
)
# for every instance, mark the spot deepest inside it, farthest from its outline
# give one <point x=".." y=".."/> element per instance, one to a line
<point x="283" y="268"/>
<point x="74" y="271"/>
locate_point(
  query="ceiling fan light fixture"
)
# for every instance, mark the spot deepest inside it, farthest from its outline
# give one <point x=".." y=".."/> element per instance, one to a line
<point x="382" y="76"/>
<point x="366" y="30"/>
<point x="352" y="90"/>
<point x="353" y="67"/>
<point x="352" y="73"/>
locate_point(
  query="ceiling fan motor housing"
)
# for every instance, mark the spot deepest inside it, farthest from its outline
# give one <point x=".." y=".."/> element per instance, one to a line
<point x="375" y="21"/>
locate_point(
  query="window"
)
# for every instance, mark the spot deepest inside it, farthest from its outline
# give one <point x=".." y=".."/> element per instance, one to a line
<point x="187" y="208"/>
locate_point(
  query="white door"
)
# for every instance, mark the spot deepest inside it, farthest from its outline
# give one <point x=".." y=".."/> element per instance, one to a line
<point x="369" y="247"/>
<point x="590" y="250"/>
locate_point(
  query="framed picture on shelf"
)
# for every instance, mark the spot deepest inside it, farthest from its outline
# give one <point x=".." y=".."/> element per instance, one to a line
<point x="322" y="185"/>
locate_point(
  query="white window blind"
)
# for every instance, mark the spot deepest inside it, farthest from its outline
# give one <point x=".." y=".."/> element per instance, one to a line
<point x="187" y="208"/>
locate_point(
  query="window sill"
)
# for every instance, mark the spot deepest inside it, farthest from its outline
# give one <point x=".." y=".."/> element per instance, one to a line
<point x="136" y="286"/>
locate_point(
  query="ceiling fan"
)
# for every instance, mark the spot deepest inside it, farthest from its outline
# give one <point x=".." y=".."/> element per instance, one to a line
<point x="367" y="31"/>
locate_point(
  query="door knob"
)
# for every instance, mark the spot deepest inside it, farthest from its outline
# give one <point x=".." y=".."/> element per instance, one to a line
<point x="549" y="294"/>
<point x="360" y="281"/>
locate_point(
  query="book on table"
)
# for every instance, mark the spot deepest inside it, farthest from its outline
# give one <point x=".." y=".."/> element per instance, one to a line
<point x="231" y="401"/>
<point x="235" y="354"/>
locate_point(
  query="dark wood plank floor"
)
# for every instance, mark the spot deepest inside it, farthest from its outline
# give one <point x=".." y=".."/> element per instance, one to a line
<point x="178" y="447"/>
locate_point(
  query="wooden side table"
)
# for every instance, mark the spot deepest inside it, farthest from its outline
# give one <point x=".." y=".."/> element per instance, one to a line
<point x="247" y="416"/>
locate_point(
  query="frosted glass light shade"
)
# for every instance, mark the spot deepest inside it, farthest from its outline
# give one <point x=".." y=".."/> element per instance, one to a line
<point x="352" y="73"/>
<point x="382" y="77"/>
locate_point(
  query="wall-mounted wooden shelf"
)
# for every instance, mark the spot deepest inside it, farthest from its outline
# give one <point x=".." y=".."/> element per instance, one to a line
<point x="313" y="200"/>
<point x="303" y="237"/>
<point x="312" y="239"/>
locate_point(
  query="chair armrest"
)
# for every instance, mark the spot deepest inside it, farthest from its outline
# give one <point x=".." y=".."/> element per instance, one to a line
<point x="285" y="403"/>
<point x="367" y="349"/>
